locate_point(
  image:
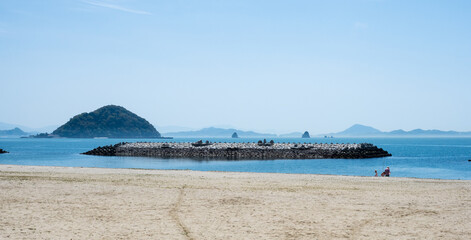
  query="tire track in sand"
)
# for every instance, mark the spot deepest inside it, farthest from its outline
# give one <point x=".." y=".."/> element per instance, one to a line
<point x="174" y="213"/>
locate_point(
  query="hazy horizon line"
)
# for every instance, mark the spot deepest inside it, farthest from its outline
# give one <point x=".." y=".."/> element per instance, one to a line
<point x="224" y="126"/>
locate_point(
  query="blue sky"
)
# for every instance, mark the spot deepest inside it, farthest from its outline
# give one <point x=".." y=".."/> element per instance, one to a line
<point x="276" y="66"/>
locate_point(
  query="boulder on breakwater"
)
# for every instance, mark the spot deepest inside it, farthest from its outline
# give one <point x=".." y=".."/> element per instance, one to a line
<point x="236" y="151"/>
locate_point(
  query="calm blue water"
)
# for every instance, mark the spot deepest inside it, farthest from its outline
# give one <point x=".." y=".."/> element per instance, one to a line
<point x="445" y="158"/>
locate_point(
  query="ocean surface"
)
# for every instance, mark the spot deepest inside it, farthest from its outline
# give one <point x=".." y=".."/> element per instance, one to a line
<point x="443" y="158"/>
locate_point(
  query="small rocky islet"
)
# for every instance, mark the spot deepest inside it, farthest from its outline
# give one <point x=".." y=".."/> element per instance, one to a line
<point x="235" y="135"/>
<point x="306" y="135"/>
<point x="2" y="151"/>
<point x="240" y="151"/>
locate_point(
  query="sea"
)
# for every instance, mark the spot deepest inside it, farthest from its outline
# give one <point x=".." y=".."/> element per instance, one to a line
<point x="437" y="158"/>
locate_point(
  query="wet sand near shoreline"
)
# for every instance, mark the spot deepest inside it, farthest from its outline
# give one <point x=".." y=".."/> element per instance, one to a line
<point x="97" y="203"/>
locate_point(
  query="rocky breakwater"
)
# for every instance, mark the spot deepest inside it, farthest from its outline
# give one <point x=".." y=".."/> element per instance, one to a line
<point x="236" y="151"/>
<point x="109" y="150"/>
<point x="2" y="151"/>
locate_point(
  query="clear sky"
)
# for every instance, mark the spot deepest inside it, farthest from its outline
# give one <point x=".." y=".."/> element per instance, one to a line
<point x="276" y="66"/>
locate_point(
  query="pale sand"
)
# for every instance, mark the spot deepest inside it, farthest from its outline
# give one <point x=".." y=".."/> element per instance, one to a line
<point x="92" y="203"/>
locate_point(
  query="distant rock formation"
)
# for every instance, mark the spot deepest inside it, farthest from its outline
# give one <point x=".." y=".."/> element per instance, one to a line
<point x="234" y="135"/>
<point x="109" y="121"/>
<point x="306" y="135"/>
<point x="2" y="151"/>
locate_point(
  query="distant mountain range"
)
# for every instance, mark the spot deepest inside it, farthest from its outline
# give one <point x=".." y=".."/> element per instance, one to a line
<point x="358" y="130"/>
<point x="9" y="126"/>
<point x="218" y="132"/>
<point x="15" y="132"/>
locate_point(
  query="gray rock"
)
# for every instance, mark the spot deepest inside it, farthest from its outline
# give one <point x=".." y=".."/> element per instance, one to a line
<point x="306" y="135"/>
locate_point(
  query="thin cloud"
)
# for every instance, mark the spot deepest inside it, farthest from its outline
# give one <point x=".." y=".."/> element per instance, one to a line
<point x="116" y="7"/>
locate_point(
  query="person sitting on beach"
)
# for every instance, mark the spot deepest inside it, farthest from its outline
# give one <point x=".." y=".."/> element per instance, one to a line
<point x="376" y="173"/>
<point x="386" y="172"/>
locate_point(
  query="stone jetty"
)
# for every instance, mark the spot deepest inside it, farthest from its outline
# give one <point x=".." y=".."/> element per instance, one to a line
<point x="239" y="151"/>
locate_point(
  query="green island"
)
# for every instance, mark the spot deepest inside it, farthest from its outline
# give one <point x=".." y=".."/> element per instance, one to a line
<point x="107" y="122"/>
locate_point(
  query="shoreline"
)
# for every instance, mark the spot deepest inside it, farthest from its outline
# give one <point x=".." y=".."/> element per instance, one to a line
<point x="39" y="202"/>
<point x="150" y="170"/>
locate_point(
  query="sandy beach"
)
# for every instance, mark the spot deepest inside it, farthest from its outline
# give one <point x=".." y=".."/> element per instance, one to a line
<point x="93" y="203"/>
